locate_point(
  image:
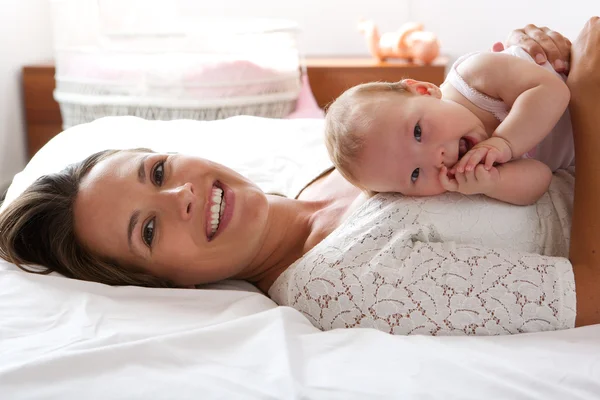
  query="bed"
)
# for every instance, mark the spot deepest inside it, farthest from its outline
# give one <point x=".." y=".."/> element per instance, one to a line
<point x="66" y="339"/>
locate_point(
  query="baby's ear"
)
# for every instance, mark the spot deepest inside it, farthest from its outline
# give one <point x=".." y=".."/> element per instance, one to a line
<point x="422" y="88"/>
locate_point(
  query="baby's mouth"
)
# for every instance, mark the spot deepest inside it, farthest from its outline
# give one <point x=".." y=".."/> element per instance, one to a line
<point x="464" y="145"/>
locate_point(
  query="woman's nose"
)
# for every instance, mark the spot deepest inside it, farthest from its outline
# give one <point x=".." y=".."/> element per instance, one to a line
<point x="184" y="200"/>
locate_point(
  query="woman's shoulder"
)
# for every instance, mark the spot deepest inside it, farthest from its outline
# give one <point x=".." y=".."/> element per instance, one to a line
<point x="479" y="220"/>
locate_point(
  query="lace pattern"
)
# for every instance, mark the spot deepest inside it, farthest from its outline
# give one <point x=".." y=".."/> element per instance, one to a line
<point x="385" y="269"/>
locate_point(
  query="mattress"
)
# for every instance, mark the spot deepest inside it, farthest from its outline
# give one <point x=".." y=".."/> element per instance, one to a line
<point x="68" y="339"/>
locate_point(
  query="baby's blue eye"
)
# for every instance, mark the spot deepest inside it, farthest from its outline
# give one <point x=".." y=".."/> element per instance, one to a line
<point x="417" y="132"/>
<point x="414" y="175"/>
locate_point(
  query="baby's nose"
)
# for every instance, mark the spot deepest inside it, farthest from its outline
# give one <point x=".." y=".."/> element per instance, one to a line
<point x="440" y="157"/>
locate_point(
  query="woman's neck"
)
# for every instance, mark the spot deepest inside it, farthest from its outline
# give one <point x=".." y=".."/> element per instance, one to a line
<point x="290" y="228"/>
<point x="296" y="226"/>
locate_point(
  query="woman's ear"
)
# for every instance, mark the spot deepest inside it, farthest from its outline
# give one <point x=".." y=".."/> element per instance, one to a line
<point x="422" y="88"/>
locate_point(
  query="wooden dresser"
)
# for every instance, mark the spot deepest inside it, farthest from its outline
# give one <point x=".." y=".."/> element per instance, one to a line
<point x="329" y="77"/>
<point x="42" y="114"/>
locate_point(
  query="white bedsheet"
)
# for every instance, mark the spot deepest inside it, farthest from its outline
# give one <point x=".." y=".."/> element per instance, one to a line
<point x="65" y="339"/>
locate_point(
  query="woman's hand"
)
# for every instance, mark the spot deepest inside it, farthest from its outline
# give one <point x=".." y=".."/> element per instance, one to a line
<point x="585" y="55"/>
<point x="542" y="44"/>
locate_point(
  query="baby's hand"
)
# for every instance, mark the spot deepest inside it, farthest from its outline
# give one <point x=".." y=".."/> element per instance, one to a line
<point x="494" y="149"/>
<point x="477" y="181"/>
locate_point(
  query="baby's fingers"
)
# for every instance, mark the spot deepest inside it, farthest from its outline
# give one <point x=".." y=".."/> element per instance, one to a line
<point x="481" y="173"/>
<point x="476" y="157"/>
<point x="463" y="163"/>
<point x="448" y="184"/>
<point x="460" y="165"/>
<point x="461" y="178"/>
<point x="490" y="159"/>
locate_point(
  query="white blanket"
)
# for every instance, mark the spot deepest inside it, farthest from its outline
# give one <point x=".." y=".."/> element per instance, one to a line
<point x="65" y="339"/>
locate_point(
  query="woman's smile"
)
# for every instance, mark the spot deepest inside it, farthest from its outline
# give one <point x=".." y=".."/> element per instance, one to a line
<point x="219" y="209"/>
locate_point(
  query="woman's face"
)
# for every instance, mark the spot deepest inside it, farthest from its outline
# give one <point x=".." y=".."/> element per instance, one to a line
<point x="174" y="216"/>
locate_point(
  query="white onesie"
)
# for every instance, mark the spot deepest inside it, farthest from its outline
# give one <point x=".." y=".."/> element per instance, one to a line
<point x="556" y="150"/>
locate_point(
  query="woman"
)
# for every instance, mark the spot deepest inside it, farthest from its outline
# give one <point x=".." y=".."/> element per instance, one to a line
<point x="181" y="221"/>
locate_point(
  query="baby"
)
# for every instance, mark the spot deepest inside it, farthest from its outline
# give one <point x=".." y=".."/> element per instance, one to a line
<point x="498" y="126"/>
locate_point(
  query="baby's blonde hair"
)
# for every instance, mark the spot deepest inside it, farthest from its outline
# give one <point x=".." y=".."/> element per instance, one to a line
<point x="347" y="120"/>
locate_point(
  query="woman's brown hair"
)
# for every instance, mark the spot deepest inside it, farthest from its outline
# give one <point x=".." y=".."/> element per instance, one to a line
<point x="37" y="229"/>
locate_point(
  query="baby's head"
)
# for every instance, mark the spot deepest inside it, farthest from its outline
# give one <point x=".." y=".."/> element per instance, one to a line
<point x="395" y="137"/>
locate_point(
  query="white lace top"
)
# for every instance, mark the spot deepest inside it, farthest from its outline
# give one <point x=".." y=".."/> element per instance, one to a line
<point x="442" y="265"/>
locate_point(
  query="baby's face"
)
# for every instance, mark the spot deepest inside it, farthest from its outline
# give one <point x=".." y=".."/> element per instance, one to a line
<point x="411" y="138"/>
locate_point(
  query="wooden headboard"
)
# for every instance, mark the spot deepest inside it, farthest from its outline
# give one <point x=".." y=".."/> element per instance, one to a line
<point x="42" y="114"/>
<point x="329" y="77"/>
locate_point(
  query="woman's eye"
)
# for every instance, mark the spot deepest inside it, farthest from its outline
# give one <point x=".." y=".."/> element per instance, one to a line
<point x="417" y="132"/>
<point x="415" y="175"/>
<point x="158" y="174"/>
<point x="148" y="233"/>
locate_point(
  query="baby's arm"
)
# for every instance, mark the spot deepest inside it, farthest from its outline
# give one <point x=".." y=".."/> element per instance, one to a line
<point x="519" y="182"/>
<point x="537" y="97"/>
<point x="522" y="182"/>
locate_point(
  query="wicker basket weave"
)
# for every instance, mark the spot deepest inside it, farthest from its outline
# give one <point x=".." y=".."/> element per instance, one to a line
<point x="199" y="68"/>
<point x="79" y="109"/>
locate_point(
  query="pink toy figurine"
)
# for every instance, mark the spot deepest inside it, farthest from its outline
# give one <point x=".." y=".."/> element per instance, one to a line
<point x="409" y="42"/>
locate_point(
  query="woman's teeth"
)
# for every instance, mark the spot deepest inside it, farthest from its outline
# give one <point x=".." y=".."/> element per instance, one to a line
<point x="217" y="208"/>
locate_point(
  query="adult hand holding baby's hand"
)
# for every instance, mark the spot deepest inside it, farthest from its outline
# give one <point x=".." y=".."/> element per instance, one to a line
<point x="476" y="181"/>
<point x="488" y="152"/>
<point x="542" y="44"/>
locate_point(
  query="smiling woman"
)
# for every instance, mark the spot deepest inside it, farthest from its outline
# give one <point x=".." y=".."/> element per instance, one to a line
<point x="180" y="218"/>
<point x="442" y="265"/>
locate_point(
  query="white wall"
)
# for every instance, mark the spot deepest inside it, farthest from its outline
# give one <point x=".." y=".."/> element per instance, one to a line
<point x="25" y="37"/>
<point x="462" y="25"/>
<point x="469" y="25"/>
<point x="329" y="29"/>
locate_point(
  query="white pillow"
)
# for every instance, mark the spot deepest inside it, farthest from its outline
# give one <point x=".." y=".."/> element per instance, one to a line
<point x="280" y="156"/>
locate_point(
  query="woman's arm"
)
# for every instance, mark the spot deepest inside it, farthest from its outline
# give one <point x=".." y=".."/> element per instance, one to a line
<point x="584" y="83"/>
